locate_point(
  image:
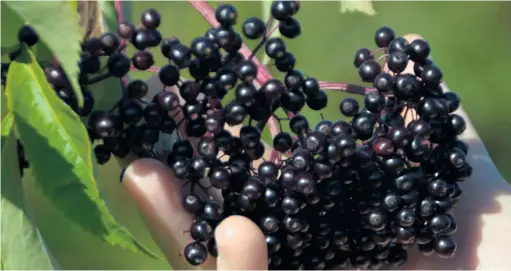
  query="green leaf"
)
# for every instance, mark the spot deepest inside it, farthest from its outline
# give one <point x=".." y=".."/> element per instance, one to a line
<point x="110" y="14"/>
<point x="22" y="246"/>
<point x="57" y="25"/>
<point x="363" y="6"/>
<point x="58" y="148"/>
<point x="266" y="10"/>
<point x="7" y="123"/>
<point x="11" y="23"/>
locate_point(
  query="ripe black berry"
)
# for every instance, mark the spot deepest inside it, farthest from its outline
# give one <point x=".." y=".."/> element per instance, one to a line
<point x="317" y="101"/>
<point x="397" y="61"/>
<point x="143" y="60"/>
<point x="110" y="42"/>
<point x="150" y="19"/>
<point x="253" y="28"/>
<point x="285" y="63"/>
<point x="105" y="125"/>
<point x="431" y="76"/>
<point x="226" y="15"/>
<point x="445" y="247"/>
<point x="272" y="89"/>
<point x="398" y="44"/>
<point x="384" y="36"/>
<point x="126" y="30"/>
<point x="137" y="89"/>
<point x="368" y="70"/>
<point x="282" y="10"/>
<point x="118" y="64"/>
<point x="202" y="47"/>
<point x="419" y="50"/>
<point x="169" y="75"/>
<point x="195" y="253"/>
<point x="275" y="47"/>
<point x="180" y="55"/>
<point x="362" y="55"/>
<point x="27" y="35"/>
<point x="290" y="28"/>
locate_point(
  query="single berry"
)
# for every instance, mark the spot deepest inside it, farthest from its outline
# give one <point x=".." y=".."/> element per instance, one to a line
<point x="275" y="47"/>
<point x="226" y="15"/>
<point x="195" y="253"/>
<point x="202" y="48"/>
<point x="384" y="82"/>
<point x="118" y="64"/>
<point x="138" y="89"/>
<point x="143" y="60"/>
<point x="431" y="76"/>
<point x="290" y="28"/>
<point x="368" y="70"/>
<point x="27" y="35"/>
<point x="169" y="75"/>
<point x="247" y="70"/>
<point x="150" y="19"/>
<point x="285" y="63"/>
<point x="253" y="28"/>
<point x="110" y="42"/>
<point x="397" y="61"/>
<point x="419" y="50"/>
<point x="398" y="44"/>
<point x="362" y="55"/>
<point x="384" y="36"/>
<point x="445" y="247"/>
<point x="282" y="10"/>
<point x="126" y="30"/>
<point x="167" y="45"/>
<point x="141" y="38"/>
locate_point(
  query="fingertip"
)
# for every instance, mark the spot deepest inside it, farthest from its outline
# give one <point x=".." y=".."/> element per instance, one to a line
<point x="241" y="245"/>
<point x="158" y="197"/>
<point x="412" y="36"/>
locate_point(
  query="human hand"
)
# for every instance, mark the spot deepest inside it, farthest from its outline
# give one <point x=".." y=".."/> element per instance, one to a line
<point x="483" y="215"/>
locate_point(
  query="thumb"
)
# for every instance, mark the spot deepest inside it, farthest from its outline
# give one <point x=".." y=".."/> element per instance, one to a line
<point x="241" y="245"/>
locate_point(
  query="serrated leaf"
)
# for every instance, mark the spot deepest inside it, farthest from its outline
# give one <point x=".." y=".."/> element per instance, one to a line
<point x="365" y="7"/>
<point x="58" y="148"/>
<point x="266" y="14"/>
<point x="57" y="25"/>
<point x="22" y="247"/>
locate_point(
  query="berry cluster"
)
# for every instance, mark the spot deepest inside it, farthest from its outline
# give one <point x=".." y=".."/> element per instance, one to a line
<point x="336" y="194"/>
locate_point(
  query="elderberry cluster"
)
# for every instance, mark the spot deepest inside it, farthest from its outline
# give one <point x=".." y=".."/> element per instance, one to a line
<point x="333" y="195"/>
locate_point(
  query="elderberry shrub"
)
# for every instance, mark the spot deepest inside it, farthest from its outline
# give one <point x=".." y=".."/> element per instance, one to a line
<point x="357" y="193"/>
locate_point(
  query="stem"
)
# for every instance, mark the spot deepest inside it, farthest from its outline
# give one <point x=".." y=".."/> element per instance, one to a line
<point x="349" y="88"/>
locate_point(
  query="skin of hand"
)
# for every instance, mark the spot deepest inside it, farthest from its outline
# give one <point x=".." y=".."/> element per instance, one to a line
<point x="483" y="216"/>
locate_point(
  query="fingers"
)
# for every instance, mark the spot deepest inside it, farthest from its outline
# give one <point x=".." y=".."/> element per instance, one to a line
<point x="157" y="194"/>
<point x="241" y="245"/>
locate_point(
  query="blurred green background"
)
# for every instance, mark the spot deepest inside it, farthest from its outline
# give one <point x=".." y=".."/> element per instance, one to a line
<point x="471" y="42"/>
